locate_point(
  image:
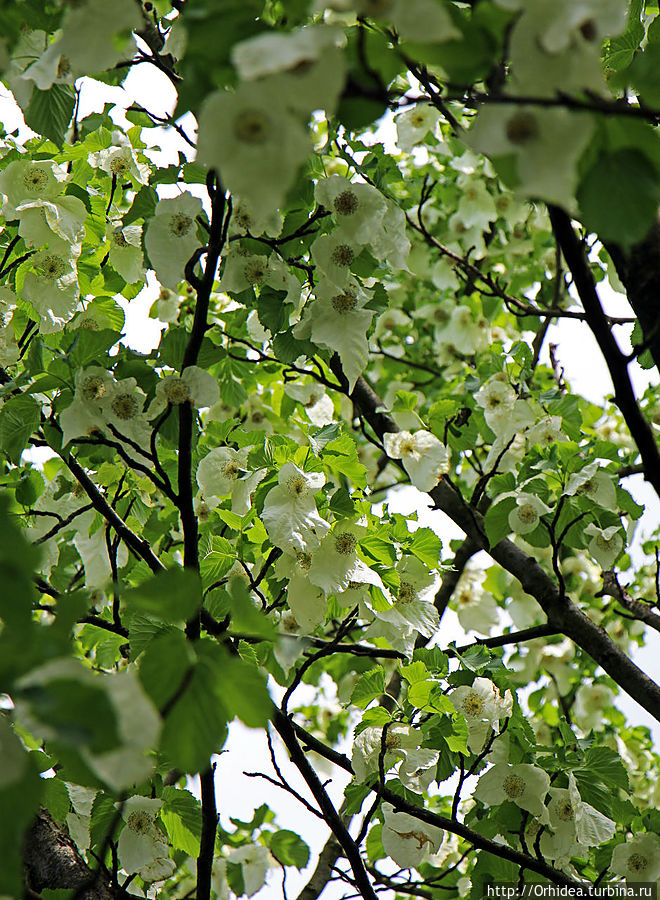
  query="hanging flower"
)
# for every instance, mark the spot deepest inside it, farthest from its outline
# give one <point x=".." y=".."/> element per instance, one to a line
<point x="407" y="840"/>
<point x="307" y="601"/>
<point x="337" y="320"/>
<point x="483" y="706"/>
<point x="412" y="612"/>
<point x="335" y="561"/>
<point x="225" y="472"/>
<point x="84" y="415"/>
<point x="290" y="514"/>
<point x="413" y="125"/>
<point x="57" y="222"/>
<point x="334" y="254"/>
<point x="546" y="145"/>
<point x="195" y="386"/>
<point x="142" y="847"/>
<point x="639" y="858"/>
<point x="172" y="237"/>
<point x="96" y="35"/>
<point x="25" y="180"/>
<point x="497" y="399"/>
<point x="318" y="407"/>
<point x="255" y="861"/>
<point x="524" y="785"/>
<point x="595" y="483"/>
<point x="590" y="702"/>
<point x="259" y="147"/>
<point x="526" y="514"/>
<point x="51" y="287"/>
<point x="389" y="243"/>
<point x="476" y="610"/>
<point x="424" y="457"/>
<point x="356" y="208"/>
<point x="125" y="251"/>
<point x="605" y="545"/>
<point x="123" y="408"/>
<point x="546" y="432"/>
<point x="573" y="822"/>
<point x="305" y="66"/>
<point x="120" y="160"/>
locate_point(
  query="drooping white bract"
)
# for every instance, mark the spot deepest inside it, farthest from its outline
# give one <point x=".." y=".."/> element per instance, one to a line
<point x="225" y="472"/>
<point x="546" y="432"/>
<point x="546" y="144"/>
<point x="422" y="21"/>
<point x="595" y="483"/>
<point x="290" y="514"/>
<point x="318" y="407"/>
<point x="572" y="822"/>
<point x="254" y="141"/>
<point x="334" y="562"/>
<point x="356" y="208"/>
<point x="483" y="706"/>
<point x="334" y="254"/>
<point x="122" y="408"/>
<point x="25" y="180"/>
<point x="172" y="237"/>
<point x="337" y="320"/>
<point x="141" y="843"/>
<point x="476" y="205"/>
<point x="195" y="386"/>
<point x="90" y="542"/>
<point x="496" y="397"/>
<point x="120" y="160"/>
<point x="526" y="514"/>
<point x="523" y="784"/>
<point x="476" y="610"/>
<point x="412" y="125"/>
<point x="357" y="591"/>
<point x="55" y="222"/>
<point x="413" y="611"/>
<point x="389" y="243"/>
<point x="590" y="701"/>
<point x="465" y="333"/>
<point x="84" y="416"/>
<point x="605" y="545"/>
<point x="96" y="35"/>
<point x="305" y="66"/>
<point x="9" y="350"/>
<point x="417" y="769"/>
<point x="51" y="287"/>
<point x="407" y="840"/>
<point x="243" y="270"/>
<point x="125" y="253"/>
<point x="255" y="861"/>
<point x="639" y="858"/>
<point x="307" y="601"/>
<point x="48" y="69"/>
<point x="424" y="457"/>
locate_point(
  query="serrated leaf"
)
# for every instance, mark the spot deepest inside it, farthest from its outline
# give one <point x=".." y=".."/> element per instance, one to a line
<point x="143" y="205"/>
<point x="370" y="686"/>
<point x="271" y="310"/>
<point x="172" y="596"/>
<point x="19" y="419"/>
<point x="49" y="112"/>
<point x="181" y="815"/>
<point x="289" y="849"/>
<point x="619" y="196"/>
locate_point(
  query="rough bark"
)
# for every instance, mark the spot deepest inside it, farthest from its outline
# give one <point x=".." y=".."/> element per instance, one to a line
<point x="52" y="860"/>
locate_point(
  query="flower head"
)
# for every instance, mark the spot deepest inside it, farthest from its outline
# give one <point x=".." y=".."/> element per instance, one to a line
<point x="424" y="457"/>
<point x="290" y="514"/>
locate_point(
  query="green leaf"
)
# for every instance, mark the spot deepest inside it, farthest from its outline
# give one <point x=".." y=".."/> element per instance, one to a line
<point x="289" y="849"/>
<point x="143" y="205"/>
<point x="19" y="802"/>
<point x="172" y="596"/>
<point x="165" y="665"/>
<point x="375" y="850"/>
<point x="370" y="686"/>
<point x="619" y="196"/>
<point x="287" y="349"/>
<point x="196" y="725"/>
<point x="49" y="112"/>
<point x="56" y="799"/>
<point x="271" y="309"/>
<point x="427" y="547"/>
<point x="181" y="815"/>
<point x="219" y="559"/>
<point x="19" y="419"/>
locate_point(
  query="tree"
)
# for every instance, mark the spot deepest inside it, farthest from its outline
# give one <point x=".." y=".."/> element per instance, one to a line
<point x="189" y="535"/>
